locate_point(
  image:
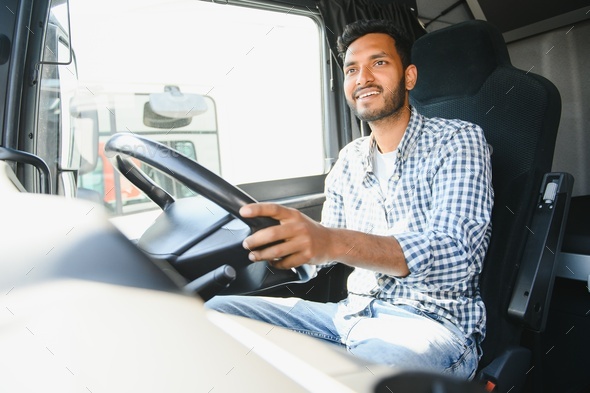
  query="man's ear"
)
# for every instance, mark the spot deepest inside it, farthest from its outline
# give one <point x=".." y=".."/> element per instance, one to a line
<point x="411" y="76"/>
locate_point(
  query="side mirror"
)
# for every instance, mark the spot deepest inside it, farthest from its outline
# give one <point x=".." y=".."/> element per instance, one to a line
<point x="79" y="139"/>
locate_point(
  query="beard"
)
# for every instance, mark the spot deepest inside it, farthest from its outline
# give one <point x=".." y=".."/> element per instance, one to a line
<point x="394" y="103"/>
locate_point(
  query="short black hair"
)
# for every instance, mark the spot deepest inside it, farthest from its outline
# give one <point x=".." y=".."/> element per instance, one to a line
<point x="362" y="27"/>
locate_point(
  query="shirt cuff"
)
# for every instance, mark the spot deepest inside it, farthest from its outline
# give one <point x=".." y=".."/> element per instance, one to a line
<point x="416" y="249"/>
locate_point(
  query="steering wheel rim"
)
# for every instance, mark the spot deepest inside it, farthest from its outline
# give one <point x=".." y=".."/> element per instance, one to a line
<point x="187" y="171"/>
<point x="190" y="173"/>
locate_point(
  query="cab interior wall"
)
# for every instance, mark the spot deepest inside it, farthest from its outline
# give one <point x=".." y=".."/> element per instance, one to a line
<point x="556" y="55"/>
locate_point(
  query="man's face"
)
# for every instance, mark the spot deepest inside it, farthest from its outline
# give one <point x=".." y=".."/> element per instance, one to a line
<point x="374" y="82"/>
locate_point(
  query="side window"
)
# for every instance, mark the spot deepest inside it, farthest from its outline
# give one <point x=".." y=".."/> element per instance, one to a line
<point x="259" y="71"/>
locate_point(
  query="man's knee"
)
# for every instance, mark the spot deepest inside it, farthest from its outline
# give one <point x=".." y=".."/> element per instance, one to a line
<point x="227" y="304"/>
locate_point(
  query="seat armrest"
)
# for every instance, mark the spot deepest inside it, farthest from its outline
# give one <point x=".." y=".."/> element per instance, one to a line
<point x="531" y="296"/>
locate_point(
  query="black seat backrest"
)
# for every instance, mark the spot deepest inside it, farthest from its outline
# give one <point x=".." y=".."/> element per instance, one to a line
<point x="464" y="72"/>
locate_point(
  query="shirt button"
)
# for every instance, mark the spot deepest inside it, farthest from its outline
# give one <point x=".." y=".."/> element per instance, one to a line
<point x="381" y="281"/>
<point x="395" y="177"/>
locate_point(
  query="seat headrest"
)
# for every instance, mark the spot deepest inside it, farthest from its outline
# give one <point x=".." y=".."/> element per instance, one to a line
<point x="457" y="60"/>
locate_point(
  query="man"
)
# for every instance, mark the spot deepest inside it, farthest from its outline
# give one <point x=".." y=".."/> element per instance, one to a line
<point x="409" y="207"/>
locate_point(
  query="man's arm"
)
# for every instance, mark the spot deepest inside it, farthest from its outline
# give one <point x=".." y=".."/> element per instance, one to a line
<point x="460" y="212"/>
<point x="306" y="241"/>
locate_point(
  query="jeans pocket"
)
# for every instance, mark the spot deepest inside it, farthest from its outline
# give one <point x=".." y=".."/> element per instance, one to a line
<point x="466" y="364"/>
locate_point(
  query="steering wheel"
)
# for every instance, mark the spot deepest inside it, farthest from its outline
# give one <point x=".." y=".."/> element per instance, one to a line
<point x="194" y="236"/>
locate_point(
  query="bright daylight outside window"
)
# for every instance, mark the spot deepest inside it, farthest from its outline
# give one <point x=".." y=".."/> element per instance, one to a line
<point x="258" y="70"/>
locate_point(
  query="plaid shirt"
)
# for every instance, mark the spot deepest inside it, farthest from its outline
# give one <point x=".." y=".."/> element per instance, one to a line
<point x="438" y="208"/>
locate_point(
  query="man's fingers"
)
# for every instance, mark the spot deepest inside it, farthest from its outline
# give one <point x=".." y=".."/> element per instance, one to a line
<point x="272" y="210"/>
<point x="270" y="235"/>
<point x="269" y="253"/>
<point x="284" y="246"/>
<point x="276" y="250"/>
<point x="265" y="236"/>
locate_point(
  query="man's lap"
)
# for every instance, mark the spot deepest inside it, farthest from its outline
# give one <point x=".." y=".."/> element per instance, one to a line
<point x="378" y="332"/>
<point x="311" y="318"/>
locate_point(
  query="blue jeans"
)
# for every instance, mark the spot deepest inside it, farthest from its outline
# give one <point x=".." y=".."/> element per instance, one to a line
<point x="371" y="329"/>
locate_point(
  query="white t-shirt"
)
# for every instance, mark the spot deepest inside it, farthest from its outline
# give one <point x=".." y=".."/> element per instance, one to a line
<point x="383" y="166"/>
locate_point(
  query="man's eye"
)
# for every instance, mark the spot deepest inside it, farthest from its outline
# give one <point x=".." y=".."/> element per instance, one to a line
<point x="350" y="71"/>
<point x="380" y="62"/>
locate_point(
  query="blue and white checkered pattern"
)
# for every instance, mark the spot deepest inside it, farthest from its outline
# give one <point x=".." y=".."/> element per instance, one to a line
<point x="438" y="208"/>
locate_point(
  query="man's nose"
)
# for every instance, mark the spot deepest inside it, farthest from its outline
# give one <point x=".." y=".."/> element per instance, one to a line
<point x="364" y="76"/>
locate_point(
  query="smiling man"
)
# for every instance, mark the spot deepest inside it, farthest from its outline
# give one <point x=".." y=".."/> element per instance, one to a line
<point x="408" y="207"/>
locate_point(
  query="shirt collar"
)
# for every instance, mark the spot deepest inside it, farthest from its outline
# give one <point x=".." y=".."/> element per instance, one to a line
<point x="405" y="147"/>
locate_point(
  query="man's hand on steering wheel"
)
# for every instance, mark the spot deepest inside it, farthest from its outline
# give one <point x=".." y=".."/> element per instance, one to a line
<point x="296" y="241"/>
